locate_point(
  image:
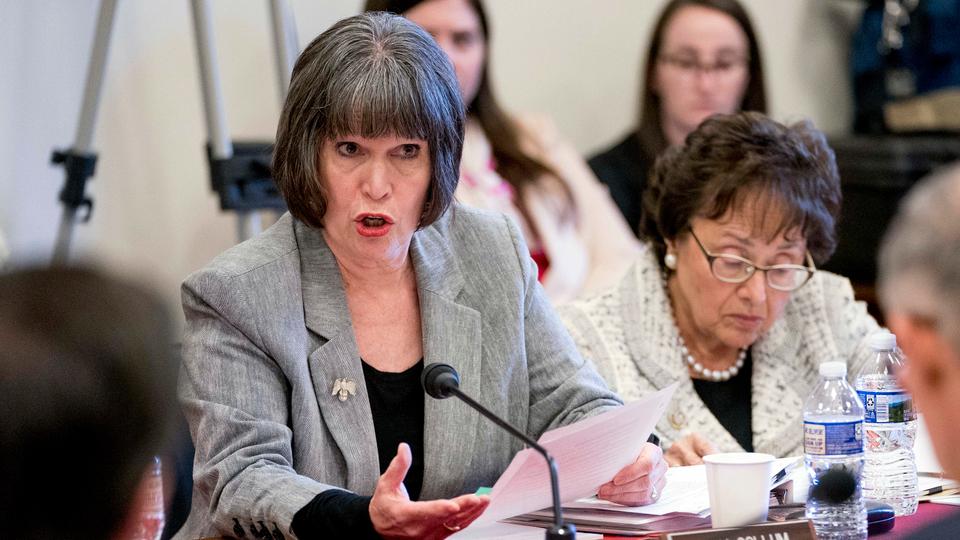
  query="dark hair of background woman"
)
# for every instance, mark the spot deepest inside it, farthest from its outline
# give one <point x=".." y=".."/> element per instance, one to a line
<point x="734" y="160"/>
<point x="515" y="166"/>
<point x="649" y="129"/>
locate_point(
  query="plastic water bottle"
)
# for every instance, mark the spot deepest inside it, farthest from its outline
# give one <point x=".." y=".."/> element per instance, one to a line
<point x="890" y="426"/>
<point x="833" y="441"/>
<point x="152" y="511"/>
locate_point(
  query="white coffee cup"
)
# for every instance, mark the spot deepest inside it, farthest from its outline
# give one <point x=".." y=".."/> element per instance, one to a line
<point x="739" y="485"/>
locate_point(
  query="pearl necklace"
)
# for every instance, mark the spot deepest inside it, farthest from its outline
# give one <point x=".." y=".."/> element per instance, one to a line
<point x="711" y="374"/>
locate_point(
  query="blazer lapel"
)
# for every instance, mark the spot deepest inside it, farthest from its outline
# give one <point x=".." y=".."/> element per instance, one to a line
<point x="451" y="335"/>
<point x="349" y="421"/>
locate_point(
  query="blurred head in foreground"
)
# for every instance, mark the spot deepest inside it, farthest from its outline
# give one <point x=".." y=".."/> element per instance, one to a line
<point x="919" y="286"/>
<point x="87" y="390"/>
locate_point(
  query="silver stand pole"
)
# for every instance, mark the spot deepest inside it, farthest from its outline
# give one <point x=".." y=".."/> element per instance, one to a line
<point x="287" y="49"/>
<point x="221" y="147"/>
<point x="217" y="132"/>
<point x="85" y="128"/>
<point x="285" y="43"/>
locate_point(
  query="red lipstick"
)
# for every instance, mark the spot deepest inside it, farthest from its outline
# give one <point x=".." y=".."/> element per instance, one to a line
<point x="373" y="225"/>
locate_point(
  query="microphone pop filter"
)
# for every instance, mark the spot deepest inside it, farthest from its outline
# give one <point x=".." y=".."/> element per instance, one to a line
<point x="835" y="485"/>
<point x="439" y="379"/>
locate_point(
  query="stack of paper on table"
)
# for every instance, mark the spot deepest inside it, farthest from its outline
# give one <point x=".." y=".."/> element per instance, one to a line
<point x="684" y="504"/>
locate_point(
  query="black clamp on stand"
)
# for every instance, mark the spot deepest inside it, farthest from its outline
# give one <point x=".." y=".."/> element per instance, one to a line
<point x="79" y="168"/>
<point x="243" y="180"/>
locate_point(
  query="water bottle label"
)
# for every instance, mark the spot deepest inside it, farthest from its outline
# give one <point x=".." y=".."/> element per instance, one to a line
<point x="833" y="439"/>
<point x="887" y="407"/>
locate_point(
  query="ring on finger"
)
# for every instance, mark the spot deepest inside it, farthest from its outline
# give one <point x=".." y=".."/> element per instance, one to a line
<point x="451" y="528"/>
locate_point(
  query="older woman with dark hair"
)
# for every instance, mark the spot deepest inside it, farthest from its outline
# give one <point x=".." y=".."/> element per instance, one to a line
<point x="727" y="298"/>
<point x="304" y="346"/>
<point x="703" y="59"/>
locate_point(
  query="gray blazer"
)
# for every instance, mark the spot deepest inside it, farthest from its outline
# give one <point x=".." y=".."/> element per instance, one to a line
<point x="268" y="333"/>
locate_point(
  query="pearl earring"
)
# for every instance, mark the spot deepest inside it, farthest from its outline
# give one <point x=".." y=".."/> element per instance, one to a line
<point x="670" y="261"/>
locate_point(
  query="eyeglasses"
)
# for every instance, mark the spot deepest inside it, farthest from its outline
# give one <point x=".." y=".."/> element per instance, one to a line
<point x="734" y="269"/>
<point x="689" y="66"/>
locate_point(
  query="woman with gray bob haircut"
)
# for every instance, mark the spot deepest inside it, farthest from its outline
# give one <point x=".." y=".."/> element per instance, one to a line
<point x="361" y="81"/>
<point x="304" y="346"/>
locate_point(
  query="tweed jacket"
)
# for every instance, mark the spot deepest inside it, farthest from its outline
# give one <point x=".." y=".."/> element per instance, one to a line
<point x="588" y="251"/>
<point x="630" y="335"/>
<point x="268" y="333"/>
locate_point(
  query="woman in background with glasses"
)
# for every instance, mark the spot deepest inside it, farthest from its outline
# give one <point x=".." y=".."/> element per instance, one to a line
<point x="726" y="298"/>
<point x="703" y="59"/>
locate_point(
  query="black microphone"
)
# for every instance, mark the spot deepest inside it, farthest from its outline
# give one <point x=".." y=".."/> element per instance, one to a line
<point x="835" y="485"/>
<point x="441" y="381"/>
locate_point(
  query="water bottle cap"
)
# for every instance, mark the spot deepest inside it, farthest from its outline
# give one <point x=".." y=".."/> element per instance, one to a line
<point x="882" y="341"/>
<point x="833" y="369"/>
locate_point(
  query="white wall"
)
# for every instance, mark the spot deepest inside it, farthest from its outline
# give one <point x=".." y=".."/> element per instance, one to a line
<point x="155" y="215"/>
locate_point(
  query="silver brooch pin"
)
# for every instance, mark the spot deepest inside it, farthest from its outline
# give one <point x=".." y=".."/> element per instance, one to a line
<point x="344" y="388"/>
<point x="677" y="419"/>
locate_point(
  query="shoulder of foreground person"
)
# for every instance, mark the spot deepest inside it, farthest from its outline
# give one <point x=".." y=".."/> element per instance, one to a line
<point x="276" y="242"/>
<point x="473" y="234"/>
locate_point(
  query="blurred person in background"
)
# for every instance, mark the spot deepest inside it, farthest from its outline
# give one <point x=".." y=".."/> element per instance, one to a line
<point x="919" y="284"/>
<point x="726" y="298"/>
<point x="87" y="397"/>
<point x="703" y="59"/>
<point x="521" y="166"/>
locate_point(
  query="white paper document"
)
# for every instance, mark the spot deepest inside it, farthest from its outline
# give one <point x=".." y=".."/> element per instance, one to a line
<point x="588" y="454"/>
<point x="685" y="492"/>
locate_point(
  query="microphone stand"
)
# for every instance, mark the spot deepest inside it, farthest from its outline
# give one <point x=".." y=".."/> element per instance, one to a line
<point x="560" y="530"/>
<point x="441" y="381"/>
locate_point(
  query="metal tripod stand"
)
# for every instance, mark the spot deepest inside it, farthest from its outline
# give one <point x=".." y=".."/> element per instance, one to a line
<point x="239" y="171"/>
<point x="78" y="161"/>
